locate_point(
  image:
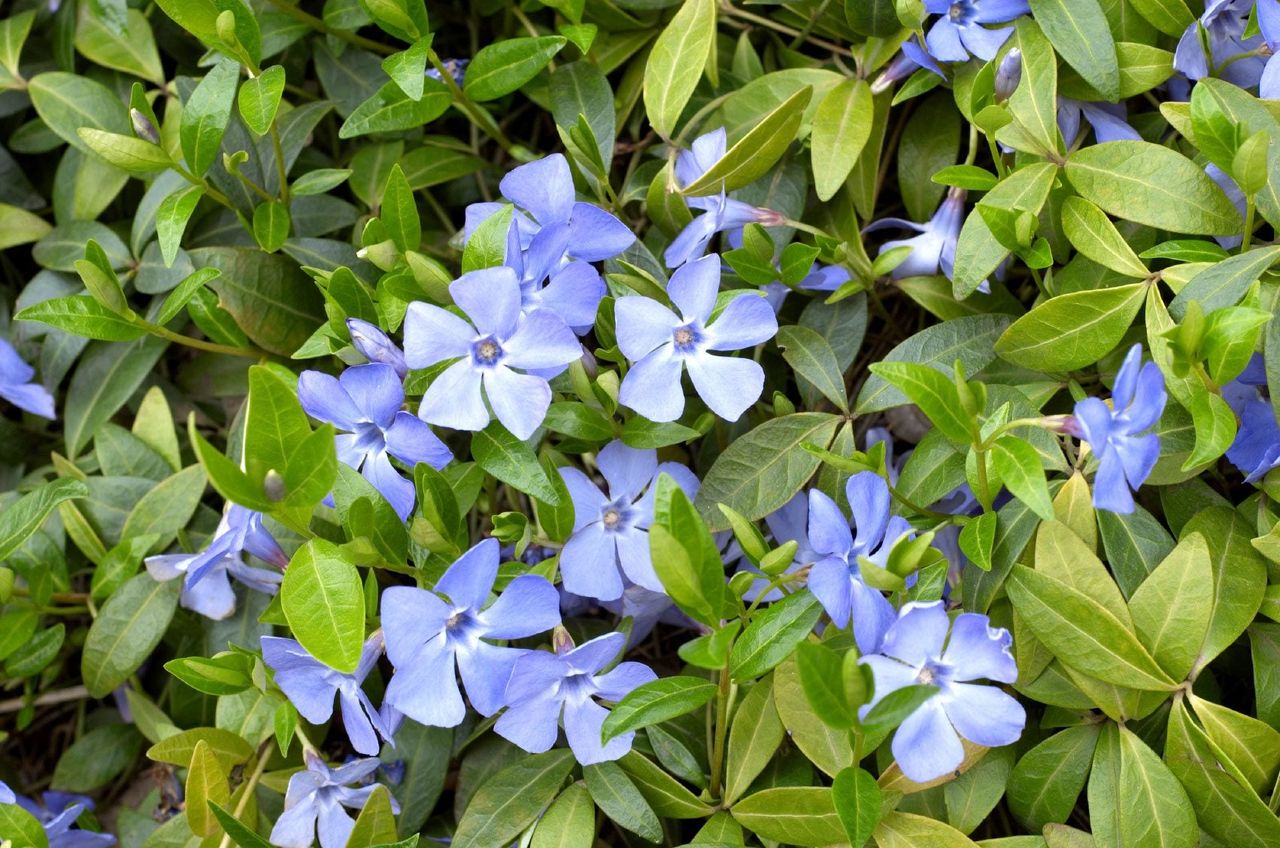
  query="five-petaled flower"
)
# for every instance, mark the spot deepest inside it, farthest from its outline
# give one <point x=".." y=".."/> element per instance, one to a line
<point x="57" y="813"/>
<point x="661" y="345"/>
<point x="17" y="387"/>
<point x="1221" y="29"/>
<point x="314" y="802"/>
<point x="720" y="212"/>
<point x="927" y="743"/>
<point x="546" y="685"/>
<point x="1256" y="448"/>
<point x="611" y="533"/>
<point x="365" y="402"/>
<point x="310" y="686"/>
<point x="836" y="578"/>
<point x="489" y="348"/>
<point x="207" y="586"/>
<point x="1116" y="433"/>
<point x="960" y="30"/>
<point x="429" y="634"/>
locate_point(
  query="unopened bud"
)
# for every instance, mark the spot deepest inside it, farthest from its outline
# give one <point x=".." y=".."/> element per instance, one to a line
<point x="561" y="641"/>
<point x="273" y="485"/>
<point x="143" y="128"/>
<point x="1008" y="75"/>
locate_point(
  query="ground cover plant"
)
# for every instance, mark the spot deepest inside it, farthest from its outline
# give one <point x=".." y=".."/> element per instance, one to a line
<point x="639" y="422"/>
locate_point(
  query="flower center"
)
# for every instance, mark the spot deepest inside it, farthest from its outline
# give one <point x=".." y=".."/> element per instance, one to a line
<point x="616" y="516"/>
<point x="934" y="673"/>
<point x="686" y="338"/>
<point x="959" y="12"/>
<point x="611" y="518"/>
<point x="486" y="351"/>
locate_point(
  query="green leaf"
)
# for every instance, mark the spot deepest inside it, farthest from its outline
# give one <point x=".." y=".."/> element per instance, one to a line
<point x="126" y="631"/>
<point x="221" y="675"/>
<point x="906" y="830"/>
<point x="1046" y="782"/>
<point x="239" y="833"/>
<point x="390" y="110"/>
<point x="1153" y="185"/>
<point x="857" y="801"/>
<point x="200" y="18"/>
<point x="21" y="827"/>
<point x="504" y="66"/>
<point x="274" y="422"/>
<point x="124" y="151"/>
<point x="167" y="508"/>
<point x="581" y="89"/>
<point x="822" y="676"/>
<point x="1034" y="103"/>
<point x="666" y="795"/>
<point x="754" y="736"/>
<point x="810" y="355"/>
<point x="676" y="62"/>
<point x="18" y="226"/>
<point x="206" y="785"/>
<point x="841" y="127"/>
<point x="400" y="212"/>
<point x="259" y="99"/>
<point x="182" y="293"/>
<point x="757" y="151"/>
<point x="1172" y="606"/>
<point x="773" y="634"/>
<point x="618" y="798"/>
<point x="969" y="339"/>
<point x="1081" y="632"/>
<point x="66" y="103"/>
<point x="934" y="393"/>
<point x="1171" y="17"/>
<point x="1134" y="799"/>
<point x="323" y="600"/>
<point x="1092" y="233"/>
<point x="97" y="758"/>
<point x="107" y="376"/>
<point x="760" y="471"/>
<point x="205" y="116"/>
<point x="1252" y="746"/>
<point x="177" y="750"/>
<point x="685" y="556"/>
<point x="570" y="821"/>
<point x="876" y="18"/>
<point x="1224" y="283"/>
<point x="800" y="815"/>
<point x="827" y="748"/>
<point x="82" y="315"/>
<point x="895" y="707"/>
<point x="1239" y="577"/>
<point x="171" y="220"/>
<point x="270" y="298"/>
<point x="407" y="68"/>
<point x="1079" y="32"/>
<point x="657" y="701"/>
<point x="1018" y="464"/>
<point x="512" y="799"/>
<point x="271" y="225"/>
<point x="513" y="462"/>
<point x="1071" y="330"/>
<point x="376" y="824"/>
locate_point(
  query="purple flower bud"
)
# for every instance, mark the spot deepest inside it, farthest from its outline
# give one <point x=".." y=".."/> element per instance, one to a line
<point x="1008" y="75"/>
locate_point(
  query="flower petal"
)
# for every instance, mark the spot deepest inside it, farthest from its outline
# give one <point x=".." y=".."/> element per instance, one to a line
<point x="889" y="676"/>
<point x="636" y="560"/>
<point x="543" y="188"/>
<point x="533" y="723"/>
<point x="830" y="583"/>
<point x="468" y="582"/>
<point x="410" y="440"/>
<point x="426" y="688"/>
<point x="528" y="606"/>
<point x="453" y="399"/>
<point x="485" y="670"/>
<point x="746" y="321"/>
<point x="491" y="299"/>
<point x="652" y="386"/>
<point x="398" y="491"/>
<point x="917" y="636"/>
<point x="597" y="235"/>
<point x="32" y="397"/>
<point x="411" y="618"/>
<point x="541" y="340"/>
<point x="583" y="722"/>
<point x="588" y="564"/>
<point x="694" y="286"/>
<point x="627" y="470"/>
<point x="587" y="498"/>
<point x="985" y="714"/>
<point x="14" y="370"/>
<point x="519" y="401"/>
<point x="574" y="293"/>
<point x="642" y="325"/>
<point x="728" y="385"/>
<point x="432" y="335"/>
<point x="323" y="397"/>
<point x="868" y="497"/>
<point x="979" y="651"/>
<point x="375" y="390"/>
<point x="926" y="746"/>
<point x="618" y="683"/>
<point x="829" y="532"/>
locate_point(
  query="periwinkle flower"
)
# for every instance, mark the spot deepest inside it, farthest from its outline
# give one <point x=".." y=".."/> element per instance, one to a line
<point x="661" y="345"/>
<point x="497" y="340"/>
<point x="457" y="68"/>
<point x="836" y="578"/>
<point x="1107" y="119"/>
<point x="544" y="197"/>
<point x="17" y="387"/>
<point x="315" y="800"/>
<point x="1222" y="26"/>
<point x="376" y="346"/>
<point x="364" y="402"/>
<point x="430" y="634"/>
<point x="546" y="685"/>
<point x="821" y="278"/>
<point x="207" y="585"/>
<point x="1116" y="433"/>
<point x="611" y="532"/>
<point x="311" y="685"/>
<point x="935" y="248"/>
<point x="720" y="212"/>
<point x="960" y="31"/>
<point x="57" y="814"/>
<point x="1234" y="194"/>
<point x="927" y="743"/>
<point x="912" y="58"/>
<point x="572" y="290"/>
<point x="6" y="794"/>
<point x="1256" y="449"/>
<point x="1008" y="75"/>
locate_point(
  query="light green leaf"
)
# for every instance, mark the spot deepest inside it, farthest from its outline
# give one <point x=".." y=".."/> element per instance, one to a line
<point x="259" y="99"/>
<point x="969" y="339"/>
<point x="512" y="799"/>
<point x="1172" y="606"/>
<point x="810" y="355"/>
<point x="205" y="116"/>
<point x="676" y="62"/>
<point x="618" y="798"/>
<point x="502" y="67"/>
<point x="66" y="102"/>
<point x="799" y="815"/>
<point x="323" y="600"/>
<point x="1092" y="233"/>
<point x="934" y="392"/>
<point x="1079" y="32"/>
<point x="841" y="127"/>
<point x="756" y="152"/>
<point x="1071" y="330"/>
<point x="657" y="701"/>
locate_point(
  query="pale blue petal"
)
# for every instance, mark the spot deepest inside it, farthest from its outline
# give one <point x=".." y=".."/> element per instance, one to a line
<point x="889" y="676"/>
<point x="746" y="321"/>
<point x="728" y="385"/>
<point x="410" y="440"/>
<point x="985" y="714"/>
<point x="830" y="583"/>
<point x="926" y="746"/>
<point x="528" y="606"/>
<point x="485" y="670"/>
<point x="375" y="390"/>
<point x="868" y="497"/>
<point x="693" y="288"/>
<point x="594" y="655"/>
<point x="829" y="532"/>
<point x="296" y="826"/>
<point x="32" y="397"/>
<point x="519" y="401"/>
<point x="432" y="335"/>
<point x="323" y="398"/>
<point x="597" y="235"/>
<point x="468" y="582"/>
<point x="642" y="325"/>
<point x="588" y="500"/>
<point x="411" y="618"/>
<point x="453" y="399"/>
<point x="627" y="470"/>
<point x="583" y="722"/>
<point x="652" y="386"/>
<point x="978" y="651"/>
<point x="543" y="188"/>
<point x="588" y="564"/>
<point x="491" y="299"/>
<point x="541" y="340"/>
<point x="917" y="636"/>
<point x="398" y="491"/>
<point x="618" y="683"/>
<point x="426" y="688"/>
<point x="532" y="724"/>
<point x="636" y="559"/>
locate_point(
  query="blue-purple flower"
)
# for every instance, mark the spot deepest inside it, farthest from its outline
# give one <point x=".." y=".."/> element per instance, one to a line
<point x="660" y="345"/>
<point x="610" y="538"/>
<point x="376" y="346"/>
<point x="960" y="31"/>
<point x="57" y="814"/>
<point x="927" y="743"/>
<point x="544" y="686"/>
<point x="1117" y="433"/>
<point x="1107" y="119"/>
<point x="317" y="800"/>
<point x="1221" y="29"/>
<point x="911" y="59"/>
<point x="544" y="197"/>
<point x="457" y="69"/>
<point x="17" y="386"/>
<point x="489" y="348"/>
<point x="935" y="247"/>
<point x="720" y="212"/>
<point x="364" y="402"/>
<point x="836" y="578"/>
<point x="1256" y="449"/>
<point x="310" y="686"/>
<point x="430" y="634"/>
<point x="821" y="278"/>
<point x="7" y="795"/>
<point x="207" y="585"/>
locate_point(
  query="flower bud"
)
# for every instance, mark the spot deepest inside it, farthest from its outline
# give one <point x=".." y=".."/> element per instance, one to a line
<point x="1008" y="75"/>
<point x="143" y="128"/>
<point x="273" y="486"/>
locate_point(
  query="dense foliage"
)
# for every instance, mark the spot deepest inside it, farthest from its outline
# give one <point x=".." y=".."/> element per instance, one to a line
<point x="605" y="422"/>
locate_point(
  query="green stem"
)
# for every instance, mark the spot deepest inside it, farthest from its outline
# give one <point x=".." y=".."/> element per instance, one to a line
<point x="482" y="120"/>
<point x="201" y="344"/>
<point x="724" y="697"/>
<point x="320" y="26"/>
<point x="1249" y="212"/>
